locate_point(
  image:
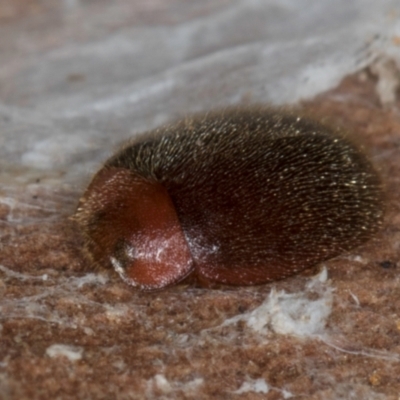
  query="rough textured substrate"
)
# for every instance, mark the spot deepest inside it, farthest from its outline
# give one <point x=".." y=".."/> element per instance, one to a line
<point x="70" y="332"/>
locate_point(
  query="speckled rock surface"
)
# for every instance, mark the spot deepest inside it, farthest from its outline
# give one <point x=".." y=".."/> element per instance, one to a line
<point x="68" y="331"/>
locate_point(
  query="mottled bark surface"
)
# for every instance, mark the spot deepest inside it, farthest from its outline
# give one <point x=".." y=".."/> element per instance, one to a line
<point x="68" y="331"/>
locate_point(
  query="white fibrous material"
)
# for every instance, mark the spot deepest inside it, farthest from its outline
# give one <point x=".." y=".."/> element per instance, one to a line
<point x="387" y="70"/>
<point x="73" y="353"/>
<point x="292" y="313"/>
<point x="260" y="386"/>
<point x="160" y="383"/>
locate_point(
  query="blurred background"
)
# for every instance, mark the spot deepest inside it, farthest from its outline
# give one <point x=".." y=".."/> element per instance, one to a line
<point x="77" y="78"/>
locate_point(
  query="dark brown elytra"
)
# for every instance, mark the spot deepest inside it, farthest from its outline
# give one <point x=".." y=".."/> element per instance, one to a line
<point x="240" y="196"/>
